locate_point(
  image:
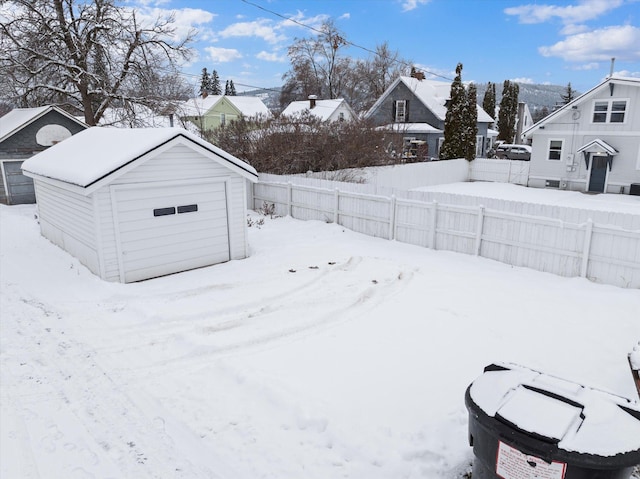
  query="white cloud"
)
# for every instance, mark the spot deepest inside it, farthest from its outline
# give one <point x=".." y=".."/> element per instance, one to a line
<point x="527" y="81"/>
<point x="261" y="28"/>
<point x="408" y="5"/>
<point x="314" y="22"/>
<point x="574" y="29"/>
<point x="271" y="57"/>
<point x="599" y="45"/>
<point x="185" y="19"/>
<point x="571" y="14"/>
<point x="223" y="55"/>
<point x="587" y="66"/>
<point x="627" y="73"/>
<point x="344" y="16"/>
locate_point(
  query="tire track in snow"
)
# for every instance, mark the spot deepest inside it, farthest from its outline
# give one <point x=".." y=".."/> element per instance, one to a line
<point x="87" y="424"/>
<point x="273" y="324"/>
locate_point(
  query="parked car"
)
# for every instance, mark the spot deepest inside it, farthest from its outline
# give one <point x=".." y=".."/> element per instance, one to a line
<point x="514" y="152"/>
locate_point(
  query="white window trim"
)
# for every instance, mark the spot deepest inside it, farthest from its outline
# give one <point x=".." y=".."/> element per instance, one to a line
<point x="610" y="101"/>
<point x="399" y="118"/>
<point x="638" y="160"/>
<point x="559" y="160"/>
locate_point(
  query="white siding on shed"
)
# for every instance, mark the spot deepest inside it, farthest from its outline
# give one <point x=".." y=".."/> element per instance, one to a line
<point x="66" y="219"/>
<point x="151" y="245"/>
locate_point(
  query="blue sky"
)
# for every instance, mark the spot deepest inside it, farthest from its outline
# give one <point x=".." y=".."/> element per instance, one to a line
<point x="530" y="41"/>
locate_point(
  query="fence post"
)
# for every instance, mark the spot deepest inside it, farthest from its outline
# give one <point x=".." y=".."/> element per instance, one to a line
<point x="336" y="206"/>
<point x="588" y="233"/>
<point x="392" y="218"/>
<point x="289" y="198"/>
<point x="479" y="226"/>
<point x="434" y="223"/>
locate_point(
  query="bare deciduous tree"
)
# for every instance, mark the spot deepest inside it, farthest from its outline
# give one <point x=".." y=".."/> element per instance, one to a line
<point x="86" y="55"/>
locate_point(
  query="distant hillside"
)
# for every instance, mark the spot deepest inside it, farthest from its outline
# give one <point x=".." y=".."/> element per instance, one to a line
<point x="269" y="96"/>
<point x="535" y="95"/>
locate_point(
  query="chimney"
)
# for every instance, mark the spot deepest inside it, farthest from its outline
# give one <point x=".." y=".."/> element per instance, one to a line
<point x="312" y="101"/>
<point x="613" y="62"/>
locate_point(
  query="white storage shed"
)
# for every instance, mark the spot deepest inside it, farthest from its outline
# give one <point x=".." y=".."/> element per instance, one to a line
<point x="134" y="204"/>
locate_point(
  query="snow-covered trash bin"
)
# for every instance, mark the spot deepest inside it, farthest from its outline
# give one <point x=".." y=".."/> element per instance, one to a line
<point x="524" y="424"/>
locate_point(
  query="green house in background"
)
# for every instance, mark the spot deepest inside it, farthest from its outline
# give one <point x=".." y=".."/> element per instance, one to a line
<point x="212" y="111"/>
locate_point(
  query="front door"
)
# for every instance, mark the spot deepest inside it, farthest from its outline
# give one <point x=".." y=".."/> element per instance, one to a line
<point x="598" y="174"/>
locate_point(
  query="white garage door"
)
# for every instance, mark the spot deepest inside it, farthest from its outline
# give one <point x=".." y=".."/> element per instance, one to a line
<point x="165" y="229"/>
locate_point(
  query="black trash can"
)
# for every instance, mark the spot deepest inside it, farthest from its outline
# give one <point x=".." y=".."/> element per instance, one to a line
<point x="524" y="425"/>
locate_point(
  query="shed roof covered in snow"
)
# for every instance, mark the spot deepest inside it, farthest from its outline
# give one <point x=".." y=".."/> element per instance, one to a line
<point x="322" y="109"/>
<point x="98" y="152"/>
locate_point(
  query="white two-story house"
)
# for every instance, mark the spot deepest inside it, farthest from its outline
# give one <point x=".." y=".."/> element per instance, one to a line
<point x="592" y="143"/>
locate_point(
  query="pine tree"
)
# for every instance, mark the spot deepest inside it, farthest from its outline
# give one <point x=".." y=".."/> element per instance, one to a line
<point x="508" y="112"/>
<point x="453" y="146"/>
<point x="215" y="84"/>
<point x="205" y="82"/>
<point x="229" y="88"/>
<point x="489" y="100"/>
<point x="569" y="95"/>
<point x="470" y="131"/>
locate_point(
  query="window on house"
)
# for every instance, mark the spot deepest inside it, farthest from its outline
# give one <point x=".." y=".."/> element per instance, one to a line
<point x="479" y="153"/>
<point x="341" y="116"/>
<point x="401" y="111"/>
<point x="440" y="143"/>
<point x="555" y="150"/>
<point x="609" y="111"/>
<point x="223" y="118"/>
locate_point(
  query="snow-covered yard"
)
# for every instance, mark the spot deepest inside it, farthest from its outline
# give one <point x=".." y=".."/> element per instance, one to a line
<point x="547" y="196"/>
<point x="324" y="354"/>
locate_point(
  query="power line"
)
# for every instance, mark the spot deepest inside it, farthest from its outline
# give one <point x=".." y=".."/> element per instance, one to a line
<point x="310" y="27"/>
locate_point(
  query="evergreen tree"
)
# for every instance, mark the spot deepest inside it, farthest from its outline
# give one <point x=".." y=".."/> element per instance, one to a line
<point x="489" y="100"/>
<point x="229" y="88"/>
<point x="569" y="95"/>
<point x="508" y="112"/>
<point x="470" y="131"/>
<point x="215" y="84"/>
<point x="205" y="82"/>
<point x="454" y="123"/>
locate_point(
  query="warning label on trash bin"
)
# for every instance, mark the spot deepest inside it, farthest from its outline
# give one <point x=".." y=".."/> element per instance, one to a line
<point x="513" y="464"/>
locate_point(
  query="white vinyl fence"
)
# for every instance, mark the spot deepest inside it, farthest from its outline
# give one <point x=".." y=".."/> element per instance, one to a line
<point x="564" y="241"/>
<point x="413" y="175"/>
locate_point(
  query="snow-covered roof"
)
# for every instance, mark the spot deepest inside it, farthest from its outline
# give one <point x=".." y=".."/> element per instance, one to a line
<point x="432" y="93"/>
<point x="581" y="99"/>
<point x="250" y="105"/>
<point x="18" y="118"/>
<point x="247" y="105"/>
<point x="97" y="152"/>
<point x="599" y="146"/>
<point x="323" y="109"/>
<point x="411" y="128"/>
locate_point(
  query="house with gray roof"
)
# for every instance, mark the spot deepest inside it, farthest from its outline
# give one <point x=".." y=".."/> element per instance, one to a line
<point x="416" y="109"/>
<point x="23" y="133"/>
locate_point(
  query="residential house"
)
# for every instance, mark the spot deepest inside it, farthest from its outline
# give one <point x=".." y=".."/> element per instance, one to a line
<point x="326" y="110"/>
<point x="137" y="203"/>
<point x="212" y="111"/>
<point x="23" y="133"/>
<point x="592" y="143"/>
<point x="416" y="109"/>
